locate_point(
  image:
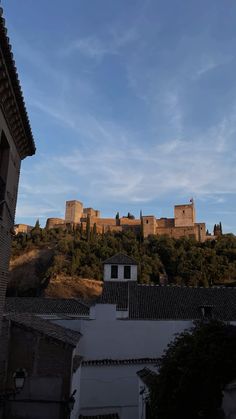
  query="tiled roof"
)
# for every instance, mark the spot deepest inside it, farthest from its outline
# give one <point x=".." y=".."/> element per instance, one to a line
<point x="13" y="93"/>
<point x="115" y="293"/>
<point x="147" y="376"/>
<point x="170" y="302"/>
<point x="105" y="416"/>
<point x="120" y="259"/>
<point x="45" y="327"/>
<point x="47" y="306"/>
<point x="108" y="362"/>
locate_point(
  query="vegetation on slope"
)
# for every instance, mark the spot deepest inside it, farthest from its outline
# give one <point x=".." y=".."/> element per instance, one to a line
<point x="80" y="254"/>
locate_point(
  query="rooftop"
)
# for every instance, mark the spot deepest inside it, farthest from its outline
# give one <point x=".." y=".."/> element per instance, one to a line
<point x="47" y="306"/>
<point x="13" y="103"/>
<point x="46" y="328"/>
<point x="147" y="376"/>
<point x="150" y="302"/>
<point x="128" y="361"/>
<point x="120" y="259"/>
<point x="105" y="416"/>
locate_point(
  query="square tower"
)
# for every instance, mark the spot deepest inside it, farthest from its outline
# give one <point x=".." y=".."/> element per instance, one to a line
<point x="74" y="211"/>
<point x="185" y="215"/>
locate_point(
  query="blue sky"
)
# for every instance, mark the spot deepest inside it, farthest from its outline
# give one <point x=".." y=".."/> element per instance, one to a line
<point x="132" y="104"/>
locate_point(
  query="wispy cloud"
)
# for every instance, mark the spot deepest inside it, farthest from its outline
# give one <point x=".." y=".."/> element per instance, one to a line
<point x="96" y="48"/>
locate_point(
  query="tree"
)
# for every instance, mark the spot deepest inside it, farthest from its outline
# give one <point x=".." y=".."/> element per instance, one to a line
<point x="194" y="370"/>
<point x="37" y="225"/>
<point x="88" y="228"/>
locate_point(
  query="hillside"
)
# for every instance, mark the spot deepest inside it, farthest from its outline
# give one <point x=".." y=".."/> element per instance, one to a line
<point x="55" y="262"/>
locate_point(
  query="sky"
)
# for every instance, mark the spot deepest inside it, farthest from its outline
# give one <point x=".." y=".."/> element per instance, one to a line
<point x="132" y="105"/>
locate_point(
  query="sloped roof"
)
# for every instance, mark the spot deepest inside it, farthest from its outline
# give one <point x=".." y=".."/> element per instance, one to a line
<point x="105" y="416"/>
<point x="46" y="328"/>
<point x="147" y="376"/>
<point x="47" y="306"/>
<point x="169" y="302"/>
<point x="120" y="259"/>
<point x="127" y="361"/>
<point x="115" y="293"/>
<point x="13" y="104"/>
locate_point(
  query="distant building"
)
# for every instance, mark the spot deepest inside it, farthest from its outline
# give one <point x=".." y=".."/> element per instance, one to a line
<point x="182" y="225"/>
<point x="22" y="228"/>
<point x="16" y="143"/>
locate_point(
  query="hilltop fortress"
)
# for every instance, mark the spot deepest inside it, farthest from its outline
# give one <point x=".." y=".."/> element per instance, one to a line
<point x="182" y="225"/>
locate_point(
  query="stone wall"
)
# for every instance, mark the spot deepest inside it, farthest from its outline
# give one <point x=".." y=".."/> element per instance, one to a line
<point x="74" y="211"/>
<point x="184" y="215"/>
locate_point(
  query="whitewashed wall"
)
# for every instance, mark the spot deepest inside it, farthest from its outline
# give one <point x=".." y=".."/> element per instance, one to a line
<point x="107" y="273"/>
<point x="108" y="337"/>
<point x="115" y="387"/>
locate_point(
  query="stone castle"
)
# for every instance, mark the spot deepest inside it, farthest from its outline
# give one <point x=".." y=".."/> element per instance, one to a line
<point x="182" y="225"/>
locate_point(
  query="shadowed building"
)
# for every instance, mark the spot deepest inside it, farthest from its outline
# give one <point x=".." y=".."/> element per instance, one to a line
<point x="16" y="143"/>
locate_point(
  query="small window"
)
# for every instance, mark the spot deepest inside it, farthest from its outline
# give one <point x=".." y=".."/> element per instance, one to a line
<point x="114" y="271"/>
<point x="127" y="272"/>
<point x="183" y="212"/>
<point x="146" y="221"/>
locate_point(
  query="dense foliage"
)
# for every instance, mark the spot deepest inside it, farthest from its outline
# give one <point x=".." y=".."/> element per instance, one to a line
<point x="185" y="261"/>
<point x="194" y="370"/>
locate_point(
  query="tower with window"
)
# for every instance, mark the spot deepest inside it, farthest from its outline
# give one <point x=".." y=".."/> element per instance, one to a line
<point x="120" y="267"/>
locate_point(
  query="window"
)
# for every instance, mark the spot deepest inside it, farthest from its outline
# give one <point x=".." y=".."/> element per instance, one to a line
<point x="127" y="272"/>
<point x="146" y="221"/>
<point x="114" y="271"/>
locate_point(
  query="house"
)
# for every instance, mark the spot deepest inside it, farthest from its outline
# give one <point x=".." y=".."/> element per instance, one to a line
<point x="120" y="267"/>
<point x="48" y="354"/>
<point x="16" y="143"/>
<point x="126" y="330"/>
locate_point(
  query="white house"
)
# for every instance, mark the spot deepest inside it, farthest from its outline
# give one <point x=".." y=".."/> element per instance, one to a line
<point x="120" y="267"/>
<point x="126" y="330"/>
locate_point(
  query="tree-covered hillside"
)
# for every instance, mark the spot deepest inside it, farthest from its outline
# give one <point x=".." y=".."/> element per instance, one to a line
<point x="81" y="253"/>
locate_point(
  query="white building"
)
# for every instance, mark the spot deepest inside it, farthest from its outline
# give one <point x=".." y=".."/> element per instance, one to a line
<point x="126" y="330"/>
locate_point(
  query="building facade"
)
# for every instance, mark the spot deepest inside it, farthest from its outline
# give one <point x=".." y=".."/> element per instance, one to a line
<point x="16" y="143"/>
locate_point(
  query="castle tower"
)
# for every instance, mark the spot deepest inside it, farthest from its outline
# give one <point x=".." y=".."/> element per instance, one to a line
<point x="74" y="211"/>
<point x="185" y="215"/>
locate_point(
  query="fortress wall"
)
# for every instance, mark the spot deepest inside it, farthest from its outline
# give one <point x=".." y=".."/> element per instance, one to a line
<point x="22" y="228"/>
<point x="128" y="221"/>
<point x="54" y="222"/>
<point x="91" y="212"/>
<point x="149" y="225"/>
<point x="105" y="221"/>
<point x="165" y="222"/>
<point x="200" y="229"/>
